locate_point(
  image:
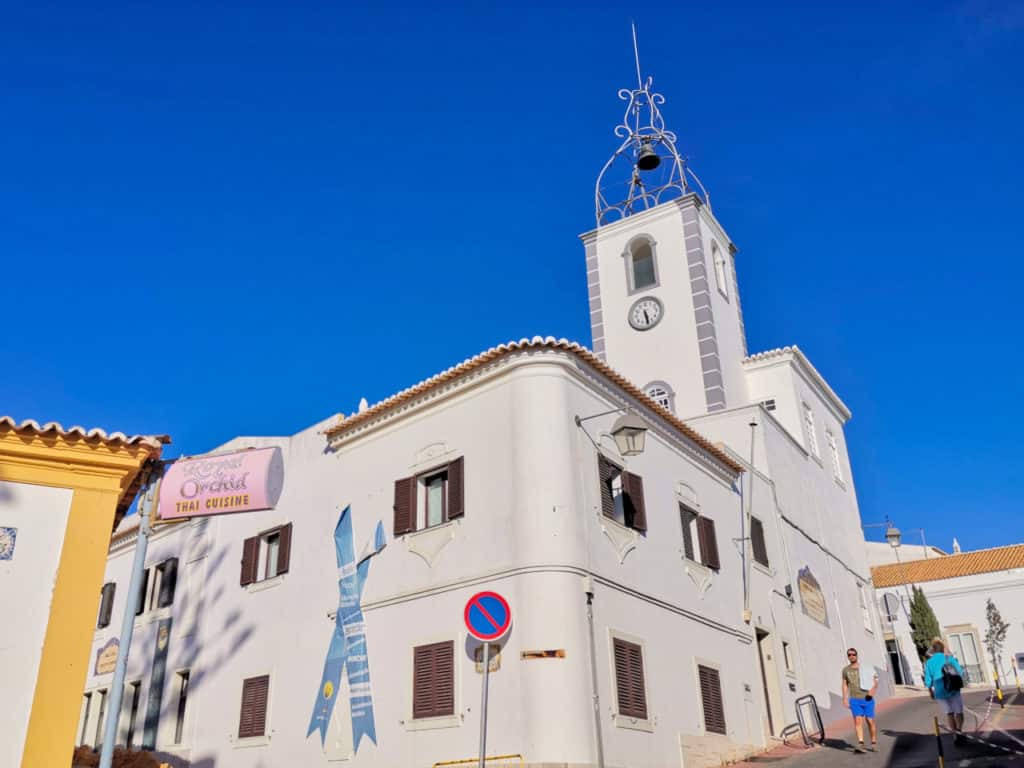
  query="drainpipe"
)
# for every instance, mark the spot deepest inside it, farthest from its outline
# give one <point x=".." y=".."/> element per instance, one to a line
<point x="745" y="533"/>
<point x="595" y="697"/>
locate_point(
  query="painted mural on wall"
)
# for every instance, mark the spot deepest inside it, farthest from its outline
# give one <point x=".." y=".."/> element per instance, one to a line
<point x="811" y="597"/>
<point x="8" y="536"/>
<point x="347" y="651"/>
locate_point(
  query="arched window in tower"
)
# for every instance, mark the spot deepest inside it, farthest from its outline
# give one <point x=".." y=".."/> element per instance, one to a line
<point x="641" y="264"/>
<point x="721" y="270"/>
<point x="662" y="394"/>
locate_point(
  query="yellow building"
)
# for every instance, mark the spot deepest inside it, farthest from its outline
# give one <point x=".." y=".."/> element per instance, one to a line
<point x="61" y="494"/>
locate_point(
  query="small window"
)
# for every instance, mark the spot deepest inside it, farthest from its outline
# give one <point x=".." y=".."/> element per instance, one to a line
<point x="622" y="495"/>
<point x="833" y="449"/>
<point x="158" y="585"/>
<point x="757" y="542"/>
<point x="430" y="499"/>
<point x="433" y="680"/>
<point x="787" y="656"/>
<point x="811" y="432"/>
<point x="642" y="267"/>
<point x="865" y="611"/>
<point x="267" y="555"/>
<point x="630" y="691"/>
<point x="252" y="720"/>
<point x="133" y="695"/>
<point x="181" y="679"/>
<point x="769" y="405"/>
<point x="721" y="270"/>
<point x="700" y="531"/>
<point x="660" y="393"/>
<point x="83" y="731"/>
<point x="100" y="717"/>
<point x="106" y="604"/>
<point x="711" y="699"/>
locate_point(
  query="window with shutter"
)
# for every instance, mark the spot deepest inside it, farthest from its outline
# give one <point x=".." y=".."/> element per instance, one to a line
<point x="630" y="693"/>
<point x="708" y="542"/>
<point x="711" y="699"/>
<point x="253" y="718"/>
<point x="250" y="560"/>
<point x="456" y="485"/>
<point x="168" y="581"/>
<point x="140" y="606"/>
<point x="757" y="542"/>
<point x="688" y="519"/>
<point x="634" y="510"/>
<point x="405" y="505"/>
<point x="433" y="680"/>
<point x="607" y="473"/>
<point x="284" y="550"/>
<point x="106" y="604"/>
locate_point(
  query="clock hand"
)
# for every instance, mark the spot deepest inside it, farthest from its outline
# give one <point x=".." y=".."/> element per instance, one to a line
<point x="647" y="317"/>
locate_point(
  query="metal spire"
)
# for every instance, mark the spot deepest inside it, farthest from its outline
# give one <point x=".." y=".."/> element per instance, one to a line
<point x="646" y="169"/>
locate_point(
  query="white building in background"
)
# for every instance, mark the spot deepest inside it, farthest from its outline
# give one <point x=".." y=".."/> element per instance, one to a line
<point x="958" y="588"/>
<point x="883" y="553"/>
<point x="669" y="607"/>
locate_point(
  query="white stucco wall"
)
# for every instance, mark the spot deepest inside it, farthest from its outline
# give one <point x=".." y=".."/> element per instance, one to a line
<point x="532" y="531"/>
<point x="27" y="580"/>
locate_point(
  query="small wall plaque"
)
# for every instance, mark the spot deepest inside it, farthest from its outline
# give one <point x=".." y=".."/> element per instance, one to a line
<point x="558" y="653"/>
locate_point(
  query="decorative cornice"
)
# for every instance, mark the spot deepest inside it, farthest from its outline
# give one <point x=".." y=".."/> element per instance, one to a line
<point x="430" y="389"/>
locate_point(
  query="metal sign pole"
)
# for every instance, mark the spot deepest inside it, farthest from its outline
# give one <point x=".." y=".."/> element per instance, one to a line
<point x="146" y="505"/>
<point x="483" y="706"/>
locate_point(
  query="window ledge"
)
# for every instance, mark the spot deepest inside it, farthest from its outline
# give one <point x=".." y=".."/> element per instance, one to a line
<point x="765" y="569"/>
<point x="252" y="741"/>
<point x="622" y="538"/>
<point x="701" y="574"/>
<point x="633" y="723"/>
<point x="155" y="614"/>
<point x="432" y="723"/>
<point x="428" y="542"/>
<point x="259" y="586"/>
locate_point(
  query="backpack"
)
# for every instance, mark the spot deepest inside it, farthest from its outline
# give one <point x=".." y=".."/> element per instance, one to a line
<point x="951" y="679"/>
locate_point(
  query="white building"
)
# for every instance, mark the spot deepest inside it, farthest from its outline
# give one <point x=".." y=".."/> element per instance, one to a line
<point x="659" y="618"/>
<point x="958" y="588"/>
<point x="883" y="553"/>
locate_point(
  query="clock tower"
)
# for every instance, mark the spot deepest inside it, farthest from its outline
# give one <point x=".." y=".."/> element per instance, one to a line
<point x="664" y="303"/>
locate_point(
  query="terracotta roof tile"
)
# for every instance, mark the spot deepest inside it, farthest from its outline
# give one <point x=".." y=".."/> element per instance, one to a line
<point x="525" y="345"/>
<point x="54" y="429"/>
<point x="950" y="566"/>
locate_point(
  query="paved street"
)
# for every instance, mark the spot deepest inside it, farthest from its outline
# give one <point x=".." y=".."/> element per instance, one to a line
<point x="906" y="738"/>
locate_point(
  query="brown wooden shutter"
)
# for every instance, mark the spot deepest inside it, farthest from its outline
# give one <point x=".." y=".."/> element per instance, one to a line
<point x="284" y="548"/>
<point x="405" y="505"/>
<point x="757" y="543"/>
<point x="141" y="605"/>
<point x="106" y="604"/>
<point x="456" y="489"/>
<point x="636" y="510"/>
<point x="168" y="581"/>
<point x="629" y="679"/>
<point x="708" y="542"/>
<point x="253" y="718"/>
<point x="433" y="680"/>
<point x="711" y="699"/>
<point x="606" y="471"/>
<point x="250" y="560"/>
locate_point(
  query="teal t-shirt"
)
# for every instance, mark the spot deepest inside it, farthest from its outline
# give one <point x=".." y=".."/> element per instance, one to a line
<point x="933" y="674"/>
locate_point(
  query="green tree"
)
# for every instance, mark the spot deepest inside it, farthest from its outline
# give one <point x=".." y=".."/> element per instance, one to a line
<point x="995" y="634"/>
<point x="923" y="624"/>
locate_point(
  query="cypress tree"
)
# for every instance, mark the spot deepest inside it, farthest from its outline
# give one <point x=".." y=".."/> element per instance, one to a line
<point x="995" y="634"/>
<point x="923" y="624"/>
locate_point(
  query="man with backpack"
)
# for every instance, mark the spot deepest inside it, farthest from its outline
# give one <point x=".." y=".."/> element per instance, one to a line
<point x="945" y="677"/>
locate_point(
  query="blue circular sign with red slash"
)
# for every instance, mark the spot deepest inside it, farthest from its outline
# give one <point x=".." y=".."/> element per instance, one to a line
<point x="488" y="616"/>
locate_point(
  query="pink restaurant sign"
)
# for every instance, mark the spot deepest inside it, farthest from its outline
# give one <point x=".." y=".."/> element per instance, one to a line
<point x="217" y="484"/>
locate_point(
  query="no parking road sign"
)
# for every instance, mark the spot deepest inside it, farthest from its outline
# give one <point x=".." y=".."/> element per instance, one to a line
<point x="487" y="616"/>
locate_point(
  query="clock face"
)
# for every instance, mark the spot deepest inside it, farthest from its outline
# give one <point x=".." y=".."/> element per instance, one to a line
<point x="645" y="313"/>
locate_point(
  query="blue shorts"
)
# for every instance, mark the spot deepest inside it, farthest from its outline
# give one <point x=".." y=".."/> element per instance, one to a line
<point x="862" y="707"/>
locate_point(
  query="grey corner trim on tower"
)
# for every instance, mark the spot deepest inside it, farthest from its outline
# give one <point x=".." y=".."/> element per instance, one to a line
<point x="736" y="293"/>
<point x="710" y="362"/>
<point x="594" y="294"/>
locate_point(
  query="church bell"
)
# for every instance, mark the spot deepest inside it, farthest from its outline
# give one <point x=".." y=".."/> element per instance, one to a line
<point x="648" y="159"/>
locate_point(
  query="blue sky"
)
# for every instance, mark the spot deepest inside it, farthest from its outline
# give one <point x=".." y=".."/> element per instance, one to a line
<point x="220" y="220"/>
